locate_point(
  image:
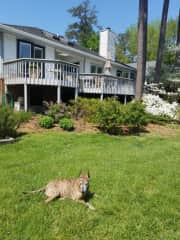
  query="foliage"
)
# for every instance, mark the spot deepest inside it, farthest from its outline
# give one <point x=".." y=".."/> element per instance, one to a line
<point x="127" y="42"/>
<point x="23" y="117"/>
<point x="93" y="42"/>
<point x="158" y="119"/>
<point x="109" y="116"/>
<point x="66" y="124"/>
<point x="82" y="31"/>
<point x="56" y="111"/>
<point x="8" y="122"/>
<point x="84" y="108"/>
<point x="136" y="179"/>
<point x="157" y="106"/>
<point x="135" y="115"/>
<point x="46" y="122"/>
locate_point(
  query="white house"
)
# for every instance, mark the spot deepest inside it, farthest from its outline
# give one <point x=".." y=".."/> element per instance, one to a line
<point x="37" y="65"/>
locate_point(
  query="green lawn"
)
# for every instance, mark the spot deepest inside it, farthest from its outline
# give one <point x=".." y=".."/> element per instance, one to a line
<point x="137" y="180"/>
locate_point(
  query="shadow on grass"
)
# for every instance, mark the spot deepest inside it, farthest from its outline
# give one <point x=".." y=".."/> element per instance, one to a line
<point x="126" y="131"/>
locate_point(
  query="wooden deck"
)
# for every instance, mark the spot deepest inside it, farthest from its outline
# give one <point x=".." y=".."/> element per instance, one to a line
<point x="58" y="73"/>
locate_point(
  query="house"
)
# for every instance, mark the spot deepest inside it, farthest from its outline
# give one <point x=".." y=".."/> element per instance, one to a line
<point x="37" y="65"/>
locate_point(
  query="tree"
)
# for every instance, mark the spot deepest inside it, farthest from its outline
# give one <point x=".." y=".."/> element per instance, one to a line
<point x="178" y="30"/>
<point x="161" y="40"/>
<point x="127" y="44"/>
<point x="82" y="31"/>
<point x="178" y="35"/>
<point x="142" y="47"/>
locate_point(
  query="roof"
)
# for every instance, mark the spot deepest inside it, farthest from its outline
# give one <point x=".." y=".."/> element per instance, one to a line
<point x="58" y="39"/>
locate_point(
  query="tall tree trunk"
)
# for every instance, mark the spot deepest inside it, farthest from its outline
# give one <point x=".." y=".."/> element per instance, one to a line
<point x="142" y="47"/>
<point x="178" y="36"/>
<point x="162" y="35"/>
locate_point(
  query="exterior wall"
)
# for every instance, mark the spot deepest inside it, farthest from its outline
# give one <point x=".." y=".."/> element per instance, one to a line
<point x="49" y="52"/>
<point x="10" y="47"/>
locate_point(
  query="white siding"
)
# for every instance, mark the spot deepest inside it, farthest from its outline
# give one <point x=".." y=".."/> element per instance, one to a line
<point x="49" y="53"/>
<point x="10" y="47"/>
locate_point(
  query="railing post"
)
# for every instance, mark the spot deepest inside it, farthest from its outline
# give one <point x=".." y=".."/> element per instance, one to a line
<point x="76" y="86"/>
<point x="25" y="98"/>
<point x="125" y="99"/>
<point x="102" y="88"/>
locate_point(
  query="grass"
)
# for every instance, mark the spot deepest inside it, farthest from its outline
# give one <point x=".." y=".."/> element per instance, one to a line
<point x="137" y="180"/>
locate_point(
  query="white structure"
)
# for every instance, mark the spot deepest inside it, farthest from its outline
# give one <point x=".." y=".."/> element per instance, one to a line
<point x="39" y="65"/>
<point x="107" y="47"/>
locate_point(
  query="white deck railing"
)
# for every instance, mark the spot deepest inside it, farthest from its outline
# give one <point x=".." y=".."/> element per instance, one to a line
<point x="106" y="84"/>
<point x="58" y="73"/>
<point x="41" y="72"/>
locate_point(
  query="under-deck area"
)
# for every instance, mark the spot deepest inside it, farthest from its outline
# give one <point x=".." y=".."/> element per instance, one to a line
<point x="32" y="81"/>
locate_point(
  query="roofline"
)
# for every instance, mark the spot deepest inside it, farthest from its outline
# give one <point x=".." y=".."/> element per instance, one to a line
<point x="65" y="47"/>
<point x="50" y="42"/>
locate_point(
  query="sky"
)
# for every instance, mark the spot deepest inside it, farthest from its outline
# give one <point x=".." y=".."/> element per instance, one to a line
<point x="53" y="16"/>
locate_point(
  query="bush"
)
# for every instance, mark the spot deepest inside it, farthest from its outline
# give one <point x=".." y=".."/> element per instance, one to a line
<point x="84" y="108"/>
<point x="57" y="111"/>
<point x="158" y="119"/>
<point x="8" y="122"/>
<point x="135" y="115"/>
<point x="110" y="116"/>
<point x="46" y="122"/>
<point x="66" y="124"/>
<point x="23" y="117"/>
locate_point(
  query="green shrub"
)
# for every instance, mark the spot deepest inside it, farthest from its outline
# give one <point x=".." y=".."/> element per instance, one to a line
<point x="135" y="115"/>
<point x="84" y="108"/>
<point x="66" y="124"/>
<point x="23" y="117"/>
<point x="8" y="122"/>
<point x="110" y="116"/>
<point x="46" y="122"/>
<point x="57" y="111"/>
<point x="158" y="119"/>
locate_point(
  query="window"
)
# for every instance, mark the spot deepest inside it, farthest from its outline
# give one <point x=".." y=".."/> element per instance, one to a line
<point x="118" y="73"/>
<point x="125" y="74"/>
<point x="29" y="50"/>
<point x="99" y="70"/>
<point x="24" y="50"/>
<point x="38" y="52"/>
<point x="93" y="69"/>
<point x="132" y="75"/>
<point x="96" y="69"/>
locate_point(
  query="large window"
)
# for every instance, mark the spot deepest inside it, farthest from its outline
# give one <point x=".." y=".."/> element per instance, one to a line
<point x="29" y="50"/>
<point x="24" y="50"/>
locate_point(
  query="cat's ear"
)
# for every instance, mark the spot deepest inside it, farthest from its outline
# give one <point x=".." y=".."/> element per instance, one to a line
<point x="80" y="173"/>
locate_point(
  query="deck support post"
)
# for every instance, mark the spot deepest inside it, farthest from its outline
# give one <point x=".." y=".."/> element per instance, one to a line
<point x="76" y="93"/>
<point x="125" y="99"/>
<point x="102" y="89"/>
<point x="102" y="96"/>
<point x="25" y="98"/>
<point x="59" y="94"/>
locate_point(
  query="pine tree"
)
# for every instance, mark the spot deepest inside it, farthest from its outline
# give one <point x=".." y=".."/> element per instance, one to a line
<point x="83" y="29"/>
